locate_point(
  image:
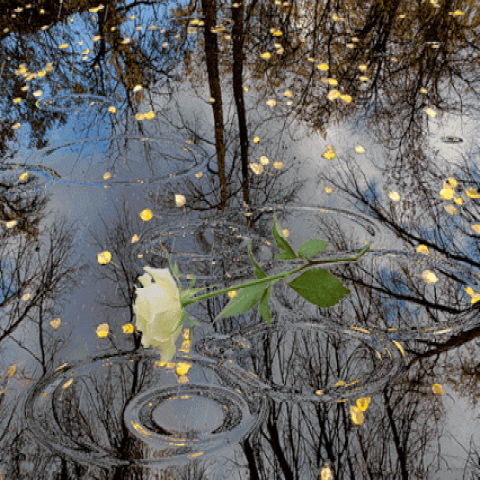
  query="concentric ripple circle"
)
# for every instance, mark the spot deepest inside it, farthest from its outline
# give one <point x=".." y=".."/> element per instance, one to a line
<point x="128" y="409"/>
<point x="72" y="103"/>
<point x="307" y="361"/>
<point x="122" y="159"/>
<point x="22" y="179"/>
<point x="205" y="248"/>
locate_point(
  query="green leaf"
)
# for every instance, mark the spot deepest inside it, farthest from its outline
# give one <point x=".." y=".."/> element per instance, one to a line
<point x="263" y="305"/>
<point x="282" y="241"/>
<point x="244" y="300"/>
<point x="259" y="273"/>
<point x="192" y="283"/>
<point x="187" y="294"/>
<point x="312" y="248"/>
<point x="175" y="270"/>
<point x="319" y="287"/>
<point x="286" y="256"/>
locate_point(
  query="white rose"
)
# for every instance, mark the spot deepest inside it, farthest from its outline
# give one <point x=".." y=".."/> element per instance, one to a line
<point x="158" y="311"/>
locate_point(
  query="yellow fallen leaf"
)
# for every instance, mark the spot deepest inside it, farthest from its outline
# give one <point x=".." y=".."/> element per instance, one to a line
<point x="128" y="328"/>
<point x="356" y="414"/>
<point x="323" y="67"/>
<point x="183" y="368"/>
<point x="430" y="111"/>
<point x="180" y="200"/>
<point x="287" y="93"/>
<point x="96" y="38"/>
<point x="37" y="93"/>
<point x="346" y="98"/>
<point x="476" y="228"/>
<point x="199" y="175"/>
<point x="451" y="181"/>
<point x="67" y="383"/>
<point x="394" y="196"/>
<point x="362" y="67"/>
<point x="182" y="379"/>
<point x="286" y="233"/>
<point x="102" y="330"/>
<point x="112" y="109"/>
<point x="458" y="200"/>
<point x="146" y="215"/>
<point x="271" y="102"/>
<point x="329" y="154"/>
<point x="278" y="165"/>
<point x="104" y="257"/>
<point x="437" y="389"/>
<point x="363" y="403"/>
<point x="266" y="55"/>
<point x="326" y="474"/>
<point x="458" y="13"/>
<point x="332" y="81"/>
<point x="11" y="223"/>
<point x="359" y="149"/>
<point x="472" y="193"/>
<point x="450" y="209"/>
<point x="135" y="239"/>
<point x="264" y="160"/>
<point x="256" y="140"/>
<point x="23" y="176"/>
<point x="422" y="249"/>
<point x="399" y="346"/>
<point x="447" y="193"/>
<point x="328" y="190"/>
<point x="257" y="168"/>
<point x="277" y="33"/>
<point x="363" y="78"/>
<point x="423" y="90"/>
<point x="17" y="100"/>
<point x="26" y="297"/>
<point x="137" y="88"/>
<point x="149" y="115"/>
<point x="139" y="117"/>
<point x="107" y="176"/>
<point x="55" y="323"/>
<point x="63" y="46"/>
<point x="16" y="126"/>
<point x="11" y="370"/>
<point x="333" y="94"/>
<point x="429" y="276"/>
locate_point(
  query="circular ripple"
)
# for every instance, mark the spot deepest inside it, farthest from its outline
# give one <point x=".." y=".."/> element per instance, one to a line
<point x="206" y="249"/>
<point x="81" y="411"/>
<point x="346" y="232"/>
<point x="307" y="361"/>
<point x="20" y="179"/>
<point x="107" y="161"/>
<point x="72" y="103"/>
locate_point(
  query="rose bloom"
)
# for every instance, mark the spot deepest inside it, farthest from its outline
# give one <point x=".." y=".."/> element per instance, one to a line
<point x="158" y="311"/>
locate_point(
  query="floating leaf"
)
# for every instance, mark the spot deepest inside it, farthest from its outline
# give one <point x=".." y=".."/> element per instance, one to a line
<point x="363" y="403"/>
<point x="135" y="238"/>
<point x="180" y="200"/>
<point x="326" y="474"/>
<point x="329" y="154"/>
<point x="271" y="102"/>
<point x="23" y="176"/>
<point x="278" y="165"/>
<point x="107" y="176"/>
<point x="458" y="200"/>
<point x="266" y="55"/>
<point x="394" y="196"/>
<point x="146" y="215"/>
<point x="26" y="297"/>
<point x="437" y="389"/>
<point x="323" y="66"/>
<point x="430" y="111"/>
<point x="112" y="109"/>
<point x="328" y="190"/>
<point x="55" y="323"/>
<point x="450" y="209"/>
<point x="264" y="160"/>
<point x="128" y="328"/>
<point x="447" y="193"/>
<point x="422" y="249"/>
<point x="333" y="94"/>
<point x="245" y="299"/>
<point x="256" y="140"/>
<point x="359" y="149"/>
<point x="11" y="223"/>
<point x="102" y="330"/>
<point x="319" y="287"/>
<point x="356" y="415"/>
<point x="137" y="88"/>
<point x="256" y="168"/>
<point x="476" y="228"/>
<point x="311" y="248"/>
<point x="11" y="370"/>
<point x="104" y="257"/>
<point x="67" y="383"/>
<point x="472" y="193"/>
<point x="429" y="276"/>
<point x="287" y="93"/>
<point x="183" y="368"/>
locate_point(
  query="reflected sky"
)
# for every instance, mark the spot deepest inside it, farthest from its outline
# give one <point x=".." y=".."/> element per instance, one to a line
<point x="131" y="129"/>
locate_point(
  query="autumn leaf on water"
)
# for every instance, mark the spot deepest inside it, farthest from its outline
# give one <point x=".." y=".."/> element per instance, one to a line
<point x="128" y="328"/>
<point x="422" y="249"/>
<point x="429" y="276"/>
<point x="394" y="196"/>
<point x="104" y="257"/>
<point x="356" y="415"/>
<point x="146" y="215"/>
<point x="102" y="330"/>
<point x="437" y="389"/>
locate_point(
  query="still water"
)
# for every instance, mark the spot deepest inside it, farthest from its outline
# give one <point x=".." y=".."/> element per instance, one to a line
<point x="134" y="131"/>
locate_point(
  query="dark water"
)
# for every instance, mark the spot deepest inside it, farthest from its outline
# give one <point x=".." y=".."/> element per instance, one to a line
<point x="353" y="122"/>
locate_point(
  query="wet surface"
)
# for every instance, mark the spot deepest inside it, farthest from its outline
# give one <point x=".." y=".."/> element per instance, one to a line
<point x="129" y="130"/>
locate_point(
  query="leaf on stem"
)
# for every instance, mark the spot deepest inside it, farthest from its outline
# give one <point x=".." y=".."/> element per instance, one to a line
<point x="282" y="242"/>
<point x="245" y="299"/>
<point x="263" y="305"/>
<point x="312" y="248"/>
<point x="319" y="287"/>
<point x="259" y="273"/>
